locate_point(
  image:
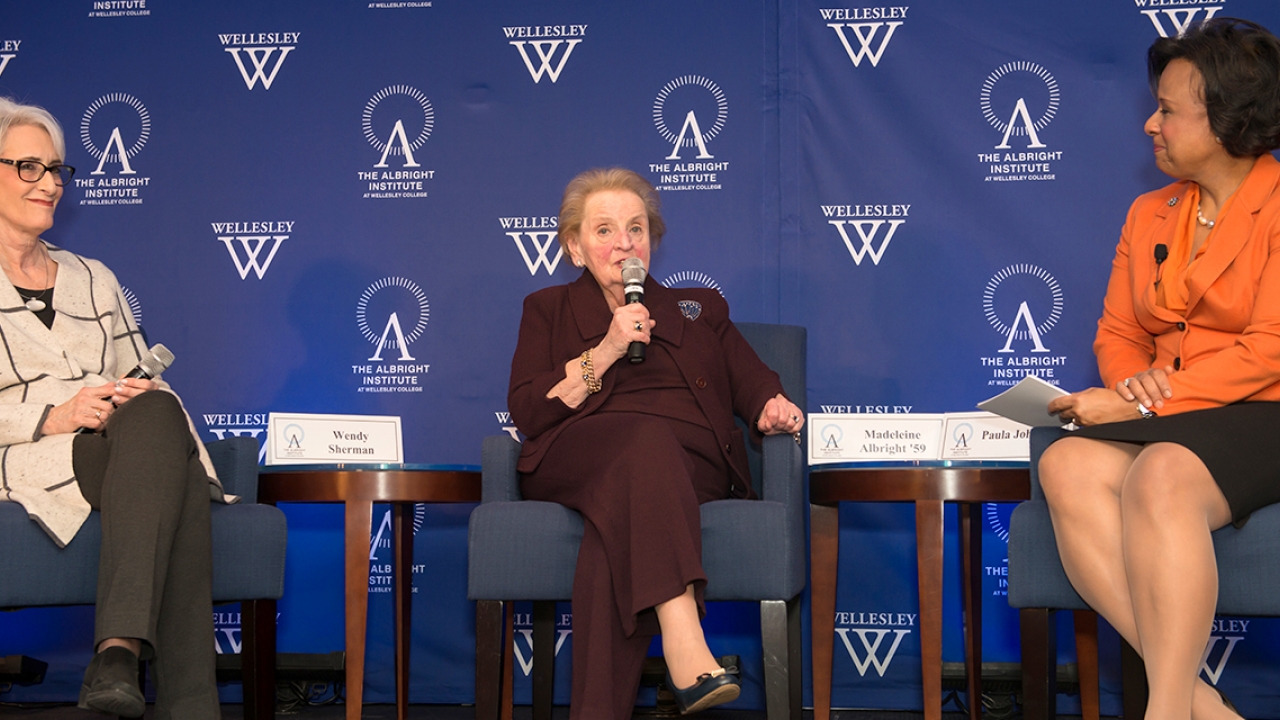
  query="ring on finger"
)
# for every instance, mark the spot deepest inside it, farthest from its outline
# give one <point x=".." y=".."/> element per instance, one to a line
<point x="1126" y="381"/>
<point x="795" y="419"/>
<point x="639" y="327"/>
<point x="97" y="415"/>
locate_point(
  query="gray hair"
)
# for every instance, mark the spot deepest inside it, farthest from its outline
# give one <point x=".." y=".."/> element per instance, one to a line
<point x="15" y="114"/>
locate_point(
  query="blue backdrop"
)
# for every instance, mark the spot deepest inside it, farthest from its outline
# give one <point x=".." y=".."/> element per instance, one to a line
<point x="934" y="190"/>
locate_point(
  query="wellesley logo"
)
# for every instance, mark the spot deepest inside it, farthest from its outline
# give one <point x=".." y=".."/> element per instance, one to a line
<point x="535" y="238"/>
<point x="259" y="56"/>
<point x="873" y="227"/>
<point x="872" y="639"/>
<point x="1171" y="18"/>
<point x="869" y="29"/>
<point x="252" y="245"/>
<point x="113" y="130"/>
<point x="545" y="43"/>
<point x="8" y="51"/>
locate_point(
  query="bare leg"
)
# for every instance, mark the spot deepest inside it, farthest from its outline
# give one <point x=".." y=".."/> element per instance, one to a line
<point x="1095" y="491"/>
<point x="133" y="645"/>
<point x="1170" y="505"/>
<point x="683" y="644"/>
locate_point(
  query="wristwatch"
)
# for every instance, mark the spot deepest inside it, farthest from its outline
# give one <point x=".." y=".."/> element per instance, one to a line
<point x="1146" y="414"/>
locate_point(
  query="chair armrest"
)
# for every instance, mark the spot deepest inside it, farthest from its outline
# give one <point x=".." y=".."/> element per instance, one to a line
<point x="500" y="482"/>
<point x="1041" y="438"/>
<point x="782" y="470"/>
<point x="782" y="480"/>
<point x="235" y="459"/>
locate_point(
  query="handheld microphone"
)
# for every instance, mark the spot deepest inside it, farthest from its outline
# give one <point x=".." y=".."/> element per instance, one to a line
<point x="633" y="275"/>
<point x="157" y="360"/>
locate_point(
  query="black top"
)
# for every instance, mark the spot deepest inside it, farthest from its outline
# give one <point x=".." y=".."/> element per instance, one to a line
<point x="45" y="296"/>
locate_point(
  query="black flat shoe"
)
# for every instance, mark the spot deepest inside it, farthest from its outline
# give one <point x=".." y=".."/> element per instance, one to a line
<point x="111" y="684"/>
<point x="713" y="688"/>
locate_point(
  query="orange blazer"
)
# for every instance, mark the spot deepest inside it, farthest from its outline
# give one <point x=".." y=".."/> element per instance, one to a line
<point x="1227" y="346"/>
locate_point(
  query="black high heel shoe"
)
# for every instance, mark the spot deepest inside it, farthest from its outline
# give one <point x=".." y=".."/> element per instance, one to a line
<point x="111" y="684"/>
<point x="713" y="688"/>
<point x="1227" y="702"/>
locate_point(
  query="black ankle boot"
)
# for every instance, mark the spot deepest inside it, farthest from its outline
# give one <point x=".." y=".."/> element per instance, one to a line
<point x="111" y="684"/>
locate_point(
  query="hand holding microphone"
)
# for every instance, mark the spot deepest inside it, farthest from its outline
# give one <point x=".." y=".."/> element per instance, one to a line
<point x="91" y="407"/>
<point x="153" y="363"/>
<point x="633" y="275"/>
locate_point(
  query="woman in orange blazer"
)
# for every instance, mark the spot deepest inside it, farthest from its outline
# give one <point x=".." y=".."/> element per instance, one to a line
<point x="1180" y="441"/>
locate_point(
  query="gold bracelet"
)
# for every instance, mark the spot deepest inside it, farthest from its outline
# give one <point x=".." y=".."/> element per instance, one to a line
<point x="589" y="374"/>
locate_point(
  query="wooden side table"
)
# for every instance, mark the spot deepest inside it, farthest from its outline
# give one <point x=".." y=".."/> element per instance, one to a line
<point x="358" y="488"/>
<point x="928" y="487"/>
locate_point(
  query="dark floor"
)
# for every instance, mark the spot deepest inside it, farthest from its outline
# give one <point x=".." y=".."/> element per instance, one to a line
<point x="446" y="712"/>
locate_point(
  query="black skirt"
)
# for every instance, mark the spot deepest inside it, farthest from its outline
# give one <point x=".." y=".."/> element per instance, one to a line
<point x="1237" y="443"/>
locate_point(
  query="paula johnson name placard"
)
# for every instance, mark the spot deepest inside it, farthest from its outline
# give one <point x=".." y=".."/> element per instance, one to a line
<point x="863" y="437"/>
<point x="305" y="439"/>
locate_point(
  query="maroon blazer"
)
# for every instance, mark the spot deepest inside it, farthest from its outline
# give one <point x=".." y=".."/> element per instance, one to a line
<point x="559" y="323"/>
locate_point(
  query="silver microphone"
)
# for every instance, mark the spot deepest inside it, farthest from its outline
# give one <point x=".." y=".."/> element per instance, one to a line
<point x="633" y="275"/>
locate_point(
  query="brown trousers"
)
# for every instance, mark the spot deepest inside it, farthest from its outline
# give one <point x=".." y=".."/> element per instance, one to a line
<point x="155" y="570"/>
<point x="637" y="480"/>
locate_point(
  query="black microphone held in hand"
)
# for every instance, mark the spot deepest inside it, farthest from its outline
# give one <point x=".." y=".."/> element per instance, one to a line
<point x="633" y="275"/>
<point x="155" y="361"/>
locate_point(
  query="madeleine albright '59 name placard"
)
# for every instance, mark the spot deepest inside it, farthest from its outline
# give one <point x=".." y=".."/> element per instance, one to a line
<point x="835" y="438"/>
<point x="839" y="438"/>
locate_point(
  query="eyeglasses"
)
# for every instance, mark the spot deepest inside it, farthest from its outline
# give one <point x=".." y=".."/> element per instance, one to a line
<point x="32" y="170"/>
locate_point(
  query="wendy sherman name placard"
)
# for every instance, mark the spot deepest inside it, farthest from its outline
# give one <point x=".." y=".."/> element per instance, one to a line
<point x="305" y="439"/>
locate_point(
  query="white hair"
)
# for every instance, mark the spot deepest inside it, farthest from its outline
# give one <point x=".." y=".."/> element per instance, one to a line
<point x="14" y="114"/>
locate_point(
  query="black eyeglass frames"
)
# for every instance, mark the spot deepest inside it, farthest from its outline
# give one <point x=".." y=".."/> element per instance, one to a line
<point x="32" y="170"/>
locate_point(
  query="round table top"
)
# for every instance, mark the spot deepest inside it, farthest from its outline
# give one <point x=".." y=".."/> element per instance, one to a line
<point x="911" y="483"/>
<point x="409" y="483"/>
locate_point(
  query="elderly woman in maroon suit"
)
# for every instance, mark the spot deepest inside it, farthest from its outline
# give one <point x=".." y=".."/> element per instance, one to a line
<point x="636" y="448"/>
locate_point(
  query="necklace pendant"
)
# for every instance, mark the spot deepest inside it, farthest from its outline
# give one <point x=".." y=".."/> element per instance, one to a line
<point x="35" y="305"/>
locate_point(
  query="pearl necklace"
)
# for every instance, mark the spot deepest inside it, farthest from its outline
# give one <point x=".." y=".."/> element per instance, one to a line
<point x="1201" y="219"/>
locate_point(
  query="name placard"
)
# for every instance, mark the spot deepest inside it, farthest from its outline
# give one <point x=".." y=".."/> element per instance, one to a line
<point x="984" y="436"/>
<point x="308" y="439"/>
<point x="862" y="437"/>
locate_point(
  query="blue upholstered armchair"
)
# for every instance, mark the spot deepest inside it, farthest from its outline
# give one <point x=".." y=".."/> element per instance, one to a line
<point x="751" y="550"/>
<point x="1248" y="585"/>
<point x="248" y="566"/>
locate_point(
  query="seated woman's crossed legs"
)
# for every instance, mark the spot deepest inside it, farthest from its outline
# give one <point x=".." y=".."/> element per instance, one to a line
<point x="1133" y="526"/>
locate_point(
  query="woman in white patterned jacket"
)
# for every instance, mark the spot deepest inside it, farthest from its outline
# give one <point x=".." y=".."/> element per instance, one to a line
<point x="75" y="434"/>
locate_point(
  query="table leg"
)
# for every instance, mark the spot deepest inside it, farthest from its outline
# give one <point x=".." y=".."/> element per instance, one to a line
<point x="824" y="548"/>
<point x="359" y="520"/>
<point x="929" y="568"/>
<point x="971" y="574"/>
<point x="402" y="532"/>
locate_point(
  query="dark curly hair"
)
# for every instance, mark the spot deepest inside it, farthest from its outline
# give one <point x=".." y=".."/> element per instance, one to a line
<point x="1240" y="64"/>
